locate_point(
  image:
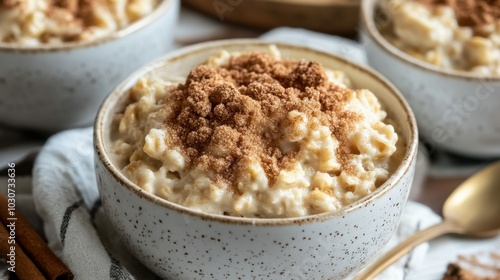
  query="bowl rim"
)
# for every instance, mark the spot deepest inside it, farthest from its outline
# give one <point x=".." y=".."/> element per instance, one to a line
<point x="116" y="95"/>
<point x="160" y="10"/>
<point x="367" y="20"/>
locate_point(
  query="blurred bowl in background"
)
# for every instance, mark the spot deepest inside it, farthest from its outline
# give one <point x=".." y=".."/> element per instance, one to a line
<point x="455" y="110"/>
<point x="51" y="88"/>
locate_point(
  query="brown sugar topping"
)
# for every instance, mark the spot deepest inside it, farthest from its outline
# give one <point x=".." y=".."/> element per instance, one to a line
<point x="473" y="13"/>
<point x="224" y="117"/>
<point x="80" y="9"/>
<point x="9" y="3"/>
<point x="70" y="5"/>
<point x="66" y="11"/>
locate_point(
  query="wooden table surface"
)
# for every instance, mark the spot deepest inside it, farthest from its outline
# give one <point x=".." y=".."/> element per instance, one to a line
<point x="434" y="191"/>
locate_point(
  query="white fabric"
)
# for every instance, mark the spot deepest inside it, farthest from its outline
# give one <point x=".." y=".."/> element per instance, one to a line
<point x="65" y="186"/>
<point x="342" y="47"/>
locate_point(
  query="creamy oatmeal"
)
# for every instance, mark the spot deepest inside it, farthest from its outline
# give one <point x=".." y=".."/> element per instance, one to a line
<point x="254" y="135"/>
<point x="460" y="34"/>
<point x="35" y="22"/>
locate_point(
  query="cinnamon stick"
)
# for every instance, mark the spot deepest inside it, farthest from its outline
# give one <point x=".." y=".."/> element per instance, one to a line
<point x="16" y="258"/>
<point x="34" y="246"/>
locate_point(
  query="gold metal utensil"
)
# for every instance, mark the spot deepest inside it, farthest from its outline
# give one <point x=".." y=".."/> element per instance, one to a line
<point x="473" y="209"/>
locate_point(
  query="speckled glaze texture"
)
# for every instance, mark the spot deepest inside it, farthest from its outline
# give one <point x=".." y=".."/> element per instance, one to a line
<point x="178" y="243"/>
<point x="51" y="90"/>
<point x="454" y="110"/>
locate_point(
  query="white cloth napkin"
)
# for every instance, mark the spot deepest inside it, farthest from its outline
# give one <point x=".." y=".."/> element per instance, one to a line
<point x="66" y="196"/>
<point x="343" y="47"/>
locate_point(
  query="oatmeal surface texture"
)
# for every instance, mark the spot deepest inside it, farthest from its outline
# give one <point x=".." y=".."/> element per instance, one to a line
<point x="254" y="135"/>
<point x="452" y="34"/>
<point x="36" y="22"/>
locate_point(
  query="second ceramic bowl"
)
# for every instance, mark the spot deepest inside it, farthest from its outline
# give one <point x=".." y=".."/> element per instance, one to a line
<point x="55" y="88"/>
<point x="455" y="111"/>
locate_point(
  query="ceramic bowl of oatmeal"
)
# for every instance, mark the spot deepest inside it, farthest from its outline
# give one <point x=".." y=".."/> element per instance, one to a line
<point x="241" y="159"/>
<point x="59" y="59"/>
<point x="445" y="59"/>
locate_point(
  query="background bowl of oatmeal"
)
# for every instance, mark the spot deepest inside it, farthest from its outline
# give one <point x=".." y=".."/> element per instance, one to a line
<point x="181" y="243"/>
<point x="449" y="73"/>
<point x="59" y="84"/>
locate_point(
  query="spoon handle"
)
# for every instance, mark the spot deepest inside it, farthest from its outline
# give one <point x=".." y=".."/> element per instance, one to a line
<point x="404" y="247"/>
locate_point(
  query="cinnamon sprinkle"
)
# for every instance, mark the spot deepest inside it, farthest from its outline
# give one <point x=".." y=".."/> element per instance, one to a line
<point x="473" y="13"/>
<point x="71" y="6"/>
<point x="455" y="272"/>
<point x="9" y="3"/>
<point x="78" y="12"/>
<point x="223" y="117"/>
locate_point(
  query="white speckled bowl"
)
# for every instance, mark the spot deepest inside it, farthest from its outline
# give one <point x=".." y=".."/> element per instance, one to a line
<point x="178" y="243"/>
<point x="50" y="88"/>
<point x="455" y="110"/>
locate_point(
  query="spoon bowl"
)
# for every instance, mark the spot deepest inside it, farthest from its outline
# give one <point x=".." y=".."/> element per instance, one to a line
<point x="473" y="209"/>
<point x="474" y="206"/>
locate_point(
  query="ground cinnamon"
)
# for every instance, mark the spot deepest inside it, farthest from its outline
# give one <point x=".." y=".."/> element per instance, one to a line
<point x="9" y="3"/>
<point x="223" y="117"/>
<point x="34" y="246"/>
<point x="79" y="12"/>
<point x="473" y="13"/>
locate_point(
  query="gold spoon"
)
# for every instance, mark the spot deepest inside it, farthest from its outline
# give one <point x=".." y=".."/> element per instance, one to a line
<point x="473" y="209"/>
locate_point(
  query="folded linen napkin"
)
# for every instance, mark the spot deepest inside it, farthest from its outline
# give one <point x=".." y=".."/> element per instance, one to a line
<point x="78" y="230"/>
<point x="342" y="47"/>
